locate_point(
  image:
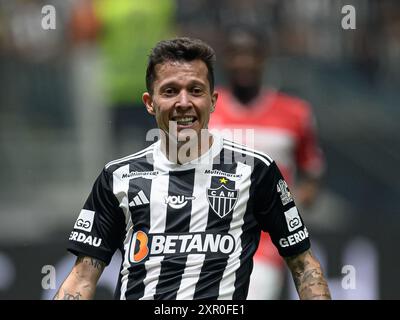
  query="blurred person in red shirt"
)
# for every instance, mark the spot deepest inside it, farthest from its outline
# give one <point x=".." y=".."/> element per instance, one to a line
<point x="284" y="128"/>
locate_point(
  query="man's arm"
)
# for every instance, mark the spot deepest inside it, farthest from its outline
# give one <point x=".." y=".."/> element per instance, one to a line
<point x="308" y="278"/>
<point x="82" y="280"/>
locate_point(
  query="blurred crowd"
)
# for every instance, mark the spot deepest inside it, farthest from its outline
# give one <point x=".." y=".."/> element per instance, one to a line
<point x="39" y="61"/>
<point x="69" y="94"/>
<point x="296" y="27"/>
<point x="71" y="97"/>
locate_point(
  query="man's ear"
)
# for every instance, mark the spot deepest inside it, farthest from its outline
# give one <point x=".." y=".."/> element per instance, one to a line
<point x="214" y="99"/>
<point x="148" y="102"/>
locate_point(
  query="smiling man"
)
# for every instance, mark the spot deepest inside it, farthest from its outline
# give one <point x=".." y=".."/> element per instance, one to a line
<point x="181" y="97"/>
<point x="187" y="211"/>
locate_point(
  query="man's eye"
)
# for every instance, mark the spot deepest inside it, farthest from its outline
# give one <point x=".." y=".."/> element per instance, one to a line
<point x="169" y="91"/>
<point x="197" y="91"/>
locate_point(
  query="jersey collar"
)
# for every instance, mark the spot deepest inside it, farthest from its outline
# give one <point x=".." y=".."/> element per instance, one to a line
<point x="161" y="162"/>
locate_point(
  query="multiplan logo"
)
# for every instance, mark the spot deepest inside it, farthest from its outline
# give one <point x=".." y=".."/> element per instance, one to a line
<point x="140" y="174"/>
<point x="219" y="173"/>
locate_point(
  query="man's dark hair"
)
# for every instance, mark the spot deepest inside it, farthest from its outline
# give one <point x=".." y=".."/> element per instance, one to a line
<point x="239" y="34"/>
<point x="180" y="49"/>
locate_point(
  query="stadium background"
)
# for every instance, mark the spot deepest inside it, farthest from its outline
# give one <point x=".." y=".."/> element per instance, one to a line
<point x="70" y="102"/>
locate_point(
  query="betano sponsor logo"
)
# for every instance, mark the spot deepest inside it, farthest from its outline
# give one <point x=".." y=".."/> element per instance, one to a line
<point x="143" y="245"/>
<point x="294" y="238"/>
<point x="83" y="238"/>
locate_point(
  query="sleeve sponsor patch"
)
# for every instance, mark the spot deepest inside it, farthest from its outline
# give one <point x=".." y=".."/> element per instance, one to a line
<point x="293" y="220"/>
<point x="85" y="220"/>
<point x="282" y="188"/>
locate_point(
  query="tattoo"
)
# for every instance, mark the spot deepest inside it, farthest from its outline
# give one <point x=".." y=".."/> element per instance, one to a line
<point x="99" y="265"/>
<point x="82" y="280"/>
<point x="68" y="296"/>
<point x="308" y="277"/>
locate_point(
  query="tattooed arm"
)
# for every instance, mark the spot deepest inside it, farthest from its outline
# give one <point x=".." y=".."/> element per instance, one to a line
<point x="82" y="280"/>
<point x="308" y="278"/>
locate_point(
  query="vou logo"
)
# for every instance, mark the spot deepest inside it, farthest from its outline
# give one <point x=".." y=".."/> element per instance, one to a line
<point x="178" y="202"/>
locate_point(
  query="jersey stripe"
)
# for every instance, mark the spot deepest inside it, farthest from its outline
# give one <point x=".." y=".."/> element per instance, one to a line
<point x="243" y="146"/>
<point x="158" y="213"/>
<point x="213" y="269"/>
<point x="139" y="188"/>
<point x="124" y="273"/>
<point x="120" y="187"/>
<point x="132" y="156"/>
<point x="227" y="285"/>
<point x="178" y="221"/>
<point x="198" y="223"/>
<point x="249" y="245"/>
<point x="246" y="148"/>
<point x="242" y="151"/>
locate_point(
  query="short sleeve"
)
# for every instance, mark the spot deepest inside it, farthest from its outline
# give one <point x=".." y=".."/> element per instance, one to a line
<point x="276" y="212"/>
<point x="100" y="226"/>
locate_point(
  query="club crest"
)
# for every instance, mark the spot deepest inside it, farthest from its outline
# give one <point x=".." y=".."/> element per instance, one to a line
<point x="222" y="200"/>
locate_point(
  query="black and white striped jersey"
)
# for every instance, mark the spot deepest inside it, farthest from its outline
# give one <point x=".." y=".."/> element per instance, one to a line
<point x="188" y="231"/>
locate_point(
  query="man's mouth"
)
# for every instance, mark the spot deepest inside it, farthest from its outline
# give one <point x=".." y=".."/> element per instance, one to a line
<point x="184" y="121"/>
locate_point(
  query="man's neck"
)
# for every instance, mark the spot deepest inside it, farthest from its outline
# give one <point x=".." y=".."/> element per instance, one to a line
<point x="184" y="152"/>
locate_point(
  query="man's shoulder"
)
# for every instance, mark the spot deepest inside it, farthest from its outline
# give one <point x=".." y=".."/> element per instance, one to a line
<point x="137" y="157"/>
<point x="247" y="153"/>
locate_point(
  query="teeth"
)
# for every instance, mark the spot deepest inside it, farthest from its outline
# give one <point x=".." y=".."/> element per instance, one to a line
<point x="185" y="120"/>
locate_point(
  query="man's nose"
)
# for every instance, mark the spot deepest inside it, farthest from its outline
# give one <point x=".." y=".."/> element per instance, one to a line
<point x="183" y="100"/>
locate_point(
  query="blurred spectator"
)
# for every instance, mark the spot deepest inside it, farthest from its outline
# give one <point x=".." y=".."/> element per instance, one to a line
<point x="128" y="31"/>
<point x="195" y="19"/>
<point x="129" y="28"/>
<point x="84" y="23"/>
<point x="22" y="33"/>
<point x="283" y="128"/>
<point x="34" y="75"/>
<point x="390" y="42"/>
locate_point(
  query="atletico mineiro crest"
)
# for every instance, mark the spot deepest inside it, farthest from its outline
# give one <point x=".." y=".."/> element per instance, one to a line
<point x="222" y="200"/>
